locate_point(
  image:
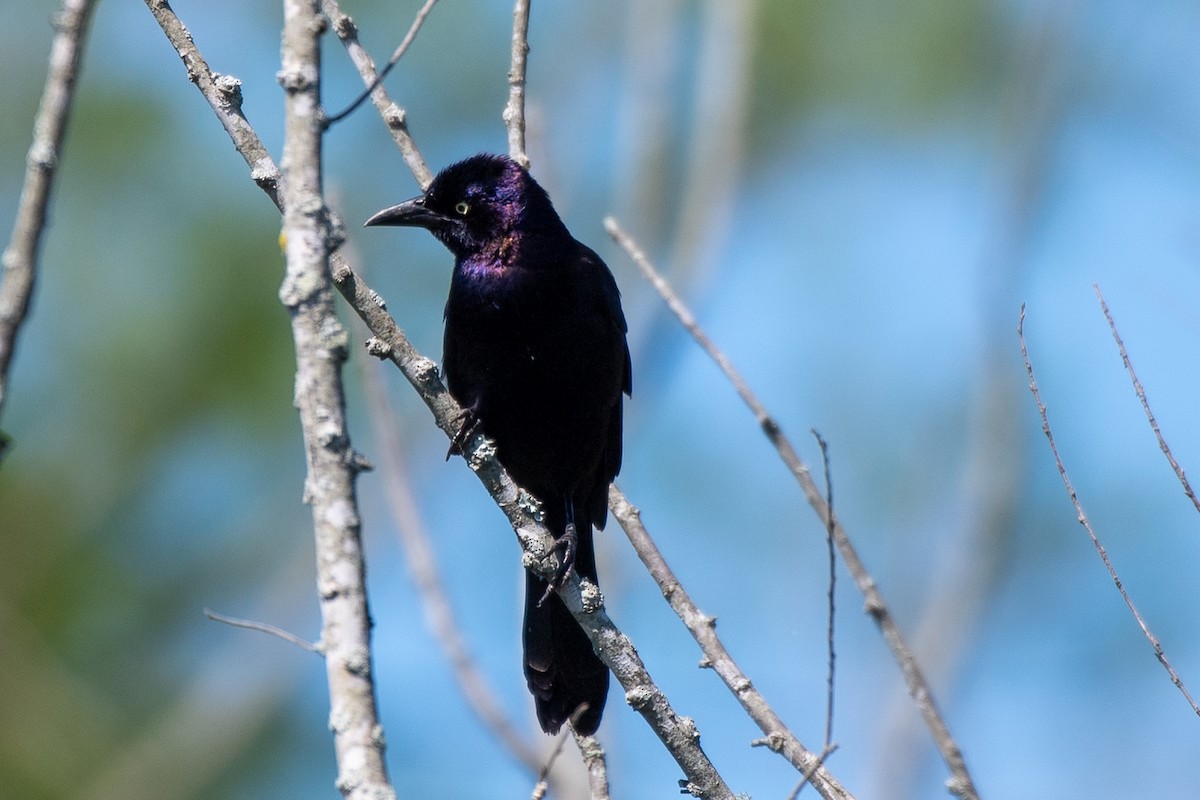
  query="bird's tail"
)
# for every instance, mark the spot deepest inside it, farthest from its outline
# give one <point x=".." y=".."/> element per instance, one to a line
<point x="561" y="668"/>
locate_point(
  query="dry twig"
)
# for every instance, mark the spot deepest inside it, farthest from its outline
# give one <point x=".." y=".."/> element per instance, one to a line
<point x="394" y="117"/>
<point x="263" y="627"/>
<point x="18" y="265"/>
<point x="343" y="19"/>
<point x="1083" y="520"/>
<point x="514" y="112"/>
<point x="1141" y="393"/>
<point x="829" y="630"/>
<point x="596" y="764"/>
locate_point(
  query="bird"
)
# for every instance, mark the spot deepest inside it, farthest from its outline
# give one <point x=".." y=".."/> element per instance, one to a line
<point x="535" y="351"/>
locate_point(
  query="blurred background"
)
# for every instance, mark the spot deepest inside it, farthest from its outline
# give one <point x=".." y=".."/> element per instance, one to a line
<point x="855" y="200"/>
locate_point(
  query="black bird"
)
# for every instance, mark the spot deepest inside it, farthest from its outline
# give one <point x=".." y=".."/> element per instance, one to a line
<point x="535" y="351"/>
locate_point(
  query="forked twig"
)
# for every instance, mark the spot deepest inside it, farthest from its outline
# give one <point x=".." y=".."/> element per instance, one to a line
<point x="1083" y="520"/>
<point x="392" y="113"/>
<point x="400" y="51"/>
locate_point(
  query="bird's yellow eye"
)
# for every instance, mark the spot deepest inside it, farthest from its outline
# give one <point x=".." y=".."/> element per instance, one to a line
<point x="462" y="208"/>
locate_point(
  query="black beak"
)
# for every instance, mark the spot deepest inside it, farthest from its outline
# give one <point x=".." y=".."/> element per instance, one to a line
<point x="411" y="213"/>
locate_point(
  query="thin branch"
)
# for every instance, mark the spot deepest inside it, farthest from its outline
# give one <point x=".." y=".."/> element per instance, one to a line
<point x="393" y="115"/>
<point x="321" y="349"/>
<point x="263" y="627"/>
<point x="426" y="577"/>
<point x="224" y="96"/>
<point x="779" y="737"/>
<point x="543" y="774"/>
<point x="1141" y="393"/>
<point x="19" y="264"/>
<point x="1083" y="520"/>
<point x="373" y="85"/>
<point x="832" y="585"/>
<point x="514" y="111"/>
<point x="918" y="688"/>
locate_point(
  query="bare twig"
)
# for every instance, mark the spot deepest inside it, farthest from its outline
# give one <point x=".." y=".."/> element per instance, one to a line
<point x="224" y="96"/>
<point x="918" y="688"/>
<point x="392" y="114"/>
<point x="1141" y="393"/>
<point x="778" y="737"/>
<point x="396" y="56"/>
<point x="18" y="265"/>
<point x="514" y="111"/>
<point x="321" y="349"/>
<point x="832" y="585"/>
<point x="264" y="627"/>
<point x="1083" y="520"/>
<point x="543" y="783"/>
<point x="426" y="577"/>
<point x="596" y="764"/>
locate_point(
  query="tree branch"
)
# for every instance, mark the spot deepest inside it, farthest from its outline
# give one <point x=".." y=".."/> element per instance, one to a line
<point x="960" y="782"/>
<point x="393" y="115"/>
<point x="344" y="19"/>
<point x="514" y="112"/>
<point x="596" y="764"/>
<point x="18" y="265"/>
<point x="224" y="96"/>
<point x="321" y="349"/>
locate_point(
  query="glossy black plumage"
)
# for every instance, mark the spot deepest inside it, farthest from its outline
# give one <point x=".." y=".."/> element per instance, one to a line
<point x="535" y="350"/>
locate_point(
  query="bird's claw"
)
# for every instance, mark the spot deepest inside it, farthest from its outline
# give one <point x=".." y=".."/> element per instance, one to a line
<point x="567" y="543"/>
<point x="470" y="424"/>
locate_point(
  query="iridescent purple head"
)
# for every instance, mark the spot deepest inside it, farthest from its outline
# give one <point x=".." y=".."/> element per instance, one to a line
<point x="477" y="203"/>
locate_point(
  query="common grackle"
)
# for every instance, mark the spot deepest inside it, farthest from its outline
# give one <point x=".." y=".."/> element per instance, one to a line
<point x="535" y="351"/>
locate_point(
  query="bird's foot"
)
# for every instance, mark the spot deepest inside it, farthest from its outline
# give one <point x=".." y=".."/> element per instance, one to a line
<point x="567" y="543"/>
<point x="470" y="424"/>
